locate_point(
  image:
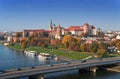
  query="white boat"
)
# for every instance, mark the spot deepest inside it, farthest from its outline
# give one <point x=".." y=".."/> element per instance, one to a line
<point x="6" y="44"/>
<point x="31" y="53"/>
<point x="45" y="56"/>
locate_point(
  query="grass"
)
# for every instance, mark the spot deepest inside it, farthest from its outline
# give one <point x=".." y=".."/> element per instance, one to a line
<point x="65" y="53"/>
<point x="16" y="47"/>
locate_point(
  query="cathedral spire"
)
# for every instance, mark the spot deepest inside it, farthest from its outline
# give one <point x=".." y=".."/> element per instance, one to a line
<point x="51" y="25"/>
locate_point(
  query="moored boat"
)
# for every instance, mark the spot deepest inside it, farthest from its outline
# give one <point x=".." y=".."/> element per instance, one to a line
<point x="32" y="53"/>
<point x="45" y="56"/>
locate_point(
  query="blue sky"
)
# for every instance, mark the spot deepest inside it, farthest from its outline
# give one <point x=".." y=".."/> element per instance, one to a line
<point x="16" y="15"/>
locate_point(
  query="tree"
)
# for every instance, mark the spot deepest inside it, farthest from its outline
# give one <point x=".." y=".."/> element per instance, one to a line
<point x="82" y="47"/>
<point x="23" y="45"/>
<point x="102" y="53"/>
<point x="118" y="45"/>
<point x="45" y="44"/>
<point x="29" y="39"/>
<point x="77" y="48"/>
<point x="40" y="43"/>
<point x="102" y="50"/>
<point x="102" y="46"/>
<point x="71" y="46"/>
<point x="67" y="40"/>
<point x="68" y="33"/>
<point x="87" y="47"/>
<point x="94" y="47"/>
<point x="78" y="41"/>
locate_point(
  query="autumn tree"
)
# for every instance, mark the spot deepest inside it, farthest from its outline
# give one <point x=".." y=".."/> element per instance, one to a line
<point x="102" y="49"/>
<point x="45" y="44"/>
<point x="102" y="46"/>
<point x="67" y="40"/>
<point x="39" y="43"/>
<point x="82" y="47"/>
<point x="94" y="47"/>
<point x="78" y="41"/>
<point x="76" y="48"/>
<point x="71" y="45"/>
<point x="118" y="45"/>
<point x="68" y="33"/>
<point x="87" y="47"/>
<point x="23" y="45"/>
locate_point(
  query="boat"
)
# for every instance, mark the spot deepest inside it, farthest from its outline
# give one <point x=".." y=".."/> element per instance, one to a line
<point x="6" y="44"/>
<point x="45" y="56"/>
<point x="31" y="53"/>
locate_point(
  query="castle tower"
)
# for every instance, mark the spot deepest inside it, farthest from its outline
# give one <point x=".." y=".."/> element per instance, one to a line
<point x="86" y="28"/>
<point x="58" y="32"/>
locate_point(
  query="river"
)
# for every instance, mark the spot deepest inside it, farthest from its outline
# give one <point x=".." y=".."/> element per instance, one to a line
<point x="10" y="59"/>
<point x="13" y="59"/>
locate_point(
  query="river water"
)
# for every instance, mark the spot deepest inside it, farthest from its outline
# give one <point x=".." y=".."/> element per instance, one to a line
<point x="10" y="59"/>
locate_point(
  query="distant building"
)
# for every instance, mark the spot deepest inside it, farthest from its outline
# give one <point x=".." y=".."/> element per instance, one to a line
<point x="39" y="33"/>
<point x="118" y="36"/>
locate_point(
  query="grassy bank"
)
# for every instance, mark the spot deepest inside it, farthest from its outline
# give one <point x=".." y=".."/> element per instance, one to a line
<point x="16" y="47"/>
<point x="65" y="53"/>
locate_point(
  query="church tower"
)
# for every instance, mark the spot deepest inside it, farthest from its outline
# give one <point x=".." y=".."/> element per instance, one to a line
<point x="51" y="25"/>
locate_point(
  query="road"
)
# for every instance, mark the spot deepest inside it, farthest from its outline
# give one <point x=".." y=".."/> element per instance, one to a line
<point x="58" y="67"/>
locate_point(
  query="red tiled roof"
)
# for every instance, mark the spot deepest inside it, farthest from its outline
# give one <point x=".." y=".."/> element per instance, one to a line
<point x="75" y="28"/>
<point x="66" y="29"/>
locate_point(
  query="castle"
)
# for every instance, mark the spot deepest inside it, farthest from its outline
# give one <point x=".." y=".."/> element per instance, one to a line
<point x="58" y="31"/>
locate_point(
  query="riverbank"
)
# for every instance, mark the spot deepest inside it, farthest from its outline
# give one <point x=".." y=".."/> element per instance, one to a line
<point x="115" y="69"/>
<point x="16" y="47"/>
<point x="72" y="55"/>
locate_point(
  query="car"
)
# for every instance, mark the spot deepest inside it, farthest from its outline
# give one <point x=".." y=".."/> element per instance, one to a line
<point x="100" y="59"/>
<point x="83" y="60"/>
<point x="75" y="67"/>
<point x="19" y="69"/>
<point x="50" y="65"/>
<point x="2" y="71"/>
<point x="32" y="67"/>
<point x="68" y="63"/>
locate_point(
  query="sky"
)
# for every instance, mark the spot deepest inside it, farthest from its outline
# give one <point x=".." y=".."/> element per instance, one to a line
<point x="16" y="15"/>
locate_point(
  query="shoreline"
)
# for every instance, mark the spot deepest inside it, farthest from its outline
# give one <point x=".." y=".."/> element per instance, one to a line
<point x="115" y="69"/>
<point x="19" y="50"/>
<point x="112" y="69"/>
<point x="60" y="58"/>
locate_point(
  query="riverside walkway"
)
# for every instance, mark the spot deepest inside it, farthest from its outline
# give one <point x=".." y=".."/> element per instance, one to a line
<point x="51" y="68"/>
